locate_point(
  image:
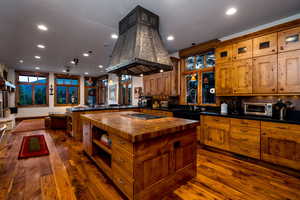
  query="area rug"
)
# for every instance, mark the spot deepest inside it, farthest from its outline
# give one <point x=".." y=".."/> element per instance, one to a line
<point x="33" y="146"/>
<point x="30" y="125"/>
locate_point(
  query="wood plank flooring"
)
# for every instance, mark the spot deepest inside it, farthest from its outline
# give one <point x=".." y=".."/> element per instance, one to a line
<point x="68" y="174"/>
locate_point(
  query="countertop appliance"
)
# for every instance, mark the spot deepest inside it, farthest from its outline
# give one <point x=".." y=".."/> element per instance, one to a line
<point x="260" y="109"/>
<point x="145" y="102"/>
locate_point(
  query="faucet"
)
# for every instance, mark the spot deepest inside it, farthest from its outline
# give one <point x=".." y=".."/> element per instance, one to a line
<point x="282" y="112"/>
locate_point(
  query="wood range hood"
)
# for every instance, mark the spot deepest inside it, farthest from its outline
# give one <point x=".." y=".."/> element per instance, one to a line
<point x="139" y="48"/>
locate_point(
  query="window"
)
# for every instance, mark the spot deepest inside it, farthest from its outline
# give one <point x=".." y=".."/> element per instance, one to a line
<point x="32" y="89"/>
<point x="103" y="89"/>
<point x="90" y="89"/>
<point x="125" y="90"/>
<point x="66" y="90"/>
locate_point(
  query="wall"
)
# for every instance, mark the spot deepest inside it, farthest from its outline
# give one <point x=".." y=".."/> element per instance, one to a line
<point x="42" y="111"/>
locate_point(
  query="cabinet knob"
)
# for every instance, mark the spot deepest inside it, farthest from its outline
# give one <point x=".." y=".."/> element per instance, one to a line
<point x="281" y="89"/>
<point x="273" y="89"/>
<point x="273" y="50"/>
<point x="281" y="48"/>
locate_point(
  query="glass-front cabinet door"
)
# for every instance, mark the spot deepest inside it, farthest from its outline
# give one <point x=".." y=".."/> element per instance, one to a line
<point x="191" y="88"/>
<point x="200" y="61"/>
<point x="208" y="88"/>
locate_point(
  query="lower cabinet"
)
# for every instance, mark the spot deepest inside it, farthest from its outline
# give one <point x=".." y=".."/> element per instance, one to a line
<point x="87" y="137"/>
<point x="280" y="144"/>
<point x="215" y="131"/>
<point x="277" y="143"/>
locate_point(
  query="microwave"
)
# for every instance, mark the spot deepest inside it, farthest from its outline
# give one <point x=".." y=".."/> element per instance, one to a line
<point x="260" y="109"/>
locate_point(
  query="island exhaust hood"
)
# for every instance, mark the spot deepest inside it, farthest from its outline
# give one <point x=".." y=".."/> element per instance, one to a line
<point x="139" y="48"/>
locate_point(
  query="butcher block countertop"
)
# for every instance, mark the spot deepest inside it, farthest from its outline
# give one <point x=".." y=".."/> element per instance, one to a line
<point x="135" y="129"/>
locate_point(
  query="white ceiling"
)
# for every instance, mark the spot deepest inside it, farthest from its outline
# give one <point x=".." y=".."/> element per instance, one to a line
<point x="76" y="26"/>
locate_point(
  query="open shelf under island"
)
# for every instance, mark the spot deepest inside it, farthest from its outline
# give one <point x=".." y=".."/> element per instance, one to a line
<point x="146" y="156"/>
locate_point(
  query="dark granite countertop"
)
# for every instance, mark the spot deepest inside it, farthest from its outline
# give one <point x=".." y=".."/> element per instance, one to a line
<point x="83" y="109"/>
<point x="251" y="117"/>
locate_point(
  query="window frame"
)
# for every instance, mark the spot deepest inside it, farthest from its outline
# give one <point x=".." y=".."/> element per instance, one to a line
<point x="34" y="74"/>
<point x="88" y="87"/>
<point x="63" y="76"/>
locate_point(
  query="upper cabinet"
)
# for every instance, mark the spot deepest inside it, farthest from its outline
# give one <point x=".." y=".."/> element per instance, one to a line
<point x="224" y="79"/>
<point x="289" y="72"/>
<point x="289" y="39"/>
<point x="200" y="61"/>
<point x="224" y="54"/>
<point x="242" y="50"/>
<point x="242" y="76"/>
<point x="265" y="45"/>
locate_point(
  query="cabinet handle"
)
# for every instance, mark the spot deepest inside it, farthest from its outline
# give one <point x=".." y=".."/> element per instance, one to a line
<point x="281" y="89"/>
<point x="263" y="134"/>
<point x="281" y="48"/>
<point x="121" y="160"/>
<point x="273" y="50"/>
<point x="121" y="181"/>
<point x="273" y="89"/>
<point x="121" y="142"/>
<point x="282" y="128"/>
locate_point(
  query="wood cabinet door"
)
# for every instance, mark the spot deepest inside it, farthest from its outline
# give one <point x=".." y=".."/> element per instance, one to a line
<point x="215" y="132"/>
<point x="245" y="141"/>
<point x="224" y="54"/>
<point x="242" y="76"/>
<point x="289" y="39"/>
<point x="242" y="50"/>
<point x="153" y="85"/>
<point x="166" y="83"/>
<point x="87" y="138"/>
<point x="147" y="90"/>
<point x="265" y="75"/>
<point x="281" y="146"/>
<point x="289" y="72"/>
<point x="265" y="45"/>
<point x="224" y="79"/>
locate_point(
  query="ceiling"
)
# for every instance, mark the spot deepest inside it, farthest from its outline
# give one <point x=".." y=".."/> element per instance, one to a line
<point x="77" y="26"/>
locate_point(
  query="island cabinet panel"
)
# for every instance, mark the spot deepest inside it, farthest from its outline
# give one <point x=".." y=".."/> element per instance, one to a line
<point x="244" y="137"/>
<point x="87" y="137"/>
<point x="224" y="54"/>
<point x="242" y="50"/>
<point x="289" y="72"/>
<point x="224" y="77"/>
<point x="280" y="144"/>
<point x="215" y="131"/>
<point x="242" y="75"/>
<point x="265" y="75"/>
<point x="289" y="39"/>
<point x="265" y="45"/>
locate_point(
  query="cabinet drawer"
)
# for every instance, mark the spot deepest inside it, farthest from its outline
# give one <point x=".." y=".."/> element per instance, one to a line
<point x="282" y="126"/>
<point x="245" y="122"/>
<point x="118" y="142"/>
<point x="289" y="39"/>
<point x="123" y="182"/>
<point x="124" y="160"/>
<point x="213" y="119"/>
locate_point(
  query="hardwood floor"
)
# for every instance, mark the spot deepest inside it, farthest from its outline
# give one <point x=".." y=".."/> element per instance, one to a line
<point x="68" y="174"/>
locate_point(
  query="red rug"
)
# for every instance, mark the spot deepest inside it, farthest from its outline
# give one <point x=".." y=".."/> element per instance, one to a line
<point x="30" y="125"/>
<point x="33" y="146"/>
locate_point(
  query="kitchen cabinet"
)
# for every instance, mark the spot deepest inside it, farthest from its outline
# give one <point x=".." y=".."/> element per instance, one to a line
<point x="244" y="137"/>
<point x="265" y="75"/>
<point x="242" y="50"/>
<point x="215" y="131"/>
<point x="265" y="45"/>
<point x="289" y="72"/>
<point x="289" y="40"/>
<point x="242" y="76"/>
<point x="224" y="79"/>
<point x="87" y="137"/>
<point x="224" y="54"/>
<point x="280" y="144"/>
<point x="157" y="112"/>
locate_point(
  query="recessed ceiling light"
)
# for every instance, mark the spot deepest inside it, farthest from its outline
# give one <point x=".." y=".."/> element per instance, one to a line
<point x="86" y="73"/>
<point x="114" y="36"/>
<point x="170" y="38"/>
<point x="141" y="75"/>
<point x="231" y="11"/>
<point x="42" y="27"/>
<point x="64" y="70"/>
<point x="37" y="57"/>
<point x="37" y="68"/>
<point x="100" y="66"/>
<point x="72" y="62"/>
<point x="161" y="70"/>
<point x="41" y="46"/>
<point x="85" y="54"/>
<point x="21" y="61"/>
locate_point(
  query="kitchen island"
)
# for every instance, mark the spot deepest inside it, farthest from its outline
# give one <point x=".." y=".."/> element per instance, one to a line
<point x="146" y="156"/>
